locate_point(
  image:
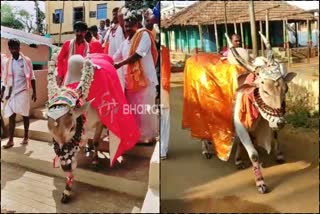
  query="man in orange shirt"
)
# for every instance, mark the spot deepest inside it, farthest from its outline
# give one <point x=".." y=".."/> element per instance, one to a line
<point x="78" y="45"/>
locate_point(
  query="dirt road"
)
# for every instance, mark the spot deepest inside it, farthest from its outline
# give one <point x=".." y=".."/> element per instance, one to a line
<point x="190" y="183"/>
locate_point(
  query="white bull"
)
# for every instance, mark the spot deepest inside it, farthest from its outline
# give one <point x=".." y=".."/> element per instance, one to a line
<point x="269" y="89"/>
<point x="64" y="121"/>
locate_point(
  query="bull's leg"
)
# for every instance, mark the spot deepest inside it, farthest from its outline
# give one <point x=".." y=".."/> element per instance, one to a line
<point x="238" y="160"/>
<point x="279" y="155"/>
<point x="253" y="155"/>
<point x="248" y="145"/>
<point x="206" y="149"/>
<point x="96" y="138"/>
<point x="66" y="195"/>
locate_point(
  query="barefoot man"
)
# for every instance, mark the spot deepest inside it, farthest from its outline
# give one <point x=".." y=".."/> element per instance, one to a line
<point x="18" y="79"/>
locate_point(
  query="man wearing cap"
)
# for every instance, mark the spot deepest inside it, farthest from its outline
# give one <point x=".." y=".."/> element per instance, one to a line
<point x="78" y="45"/>
<point x="137" y="56"/>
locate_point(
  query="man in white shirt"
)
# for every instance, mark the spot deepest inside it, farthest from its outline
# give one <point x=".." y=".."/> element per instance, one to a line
<point x="148" y="122"/>
<point x="102" y="31"/>
<point x="18" y="77"/>
<point x="114" y="37"/>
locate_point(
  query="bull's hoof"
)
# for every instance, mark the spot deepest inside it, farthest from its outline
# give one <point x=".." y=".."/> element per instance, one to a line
<point x="280" y="159"/>
<point x="240" y="165"/>
<point x="207" y="155"/>
<point x="65" y="198"/>
<point x="95" y="165"/>
<point x="263" y="189"/>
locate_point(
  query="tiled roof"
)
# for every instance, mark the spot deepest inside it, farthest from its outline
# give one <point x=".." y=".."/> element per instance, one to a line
<point x="208" y="12"/>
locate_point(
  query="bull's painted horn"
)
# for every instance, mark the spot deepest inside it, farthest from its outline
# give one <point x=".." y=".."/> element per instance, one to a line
<point x="268" y="47"/>
<point x="237" y="56"/>
<point x="230" y="45"/>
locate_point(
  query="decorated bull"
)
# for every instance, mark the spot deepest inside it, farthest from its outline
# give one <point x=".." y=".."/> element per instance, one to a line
<point x="71" y="116"/>
<point x="223" y="101"/>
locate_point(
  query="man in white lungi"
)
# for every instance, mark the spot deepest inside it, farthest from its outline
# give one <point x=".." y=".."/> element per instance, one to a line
<point x="137" y="55"/>
<point x="113" y="39"/>
<point x="18" y="79"/>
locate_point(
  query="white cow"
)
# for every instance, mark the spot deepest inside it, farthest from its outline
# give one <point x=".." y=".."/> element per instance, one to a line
<point x="270" y="89"/>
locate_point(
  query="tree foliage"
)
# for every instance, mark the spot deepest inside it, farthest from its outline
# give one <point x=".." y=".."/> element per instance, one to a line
<point x="26" y="18"/>
<point x="40" y="16"/>
<point x="136" y="5"/>
<point x="9" y="17"/>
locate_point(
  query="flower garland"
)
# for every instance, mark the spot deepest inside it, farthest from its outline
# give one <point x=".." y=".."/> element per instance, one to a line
<point x="52" y="84"/>
<point x="69" y="150"/>
<point x="86" y="78"/>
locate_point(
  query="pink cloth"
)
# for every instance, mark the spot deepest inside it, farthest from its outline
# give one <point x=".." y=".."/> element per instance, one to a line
<point x="248" y="111"/>
<point x="106" y="89"/>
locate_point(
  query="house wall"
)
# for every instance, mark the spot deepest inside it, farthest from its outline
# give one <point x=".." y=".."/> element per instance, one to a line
<point x="187" y="38"/>
<point x="40" y="54"/>
<point x="67" y="25"/>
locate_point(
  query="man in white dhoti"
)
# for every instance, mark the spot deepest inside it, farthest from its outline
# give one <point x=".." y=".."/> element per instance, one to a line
<point x="137" y="56"/>
<point x="18" y="76"/>
<point x="113" y="39"/>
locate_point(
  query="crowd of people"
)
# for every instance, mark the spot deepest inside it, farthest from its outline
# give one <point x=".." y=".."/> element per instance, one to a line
<point x="129" y="38"/>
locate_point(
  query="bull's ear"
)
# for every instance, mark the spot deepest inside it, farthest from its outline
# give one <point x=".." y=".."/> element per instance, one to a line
<point x="242" y="77"/>
<point x="79" y="111"/>
<point x="246" y="88"/>
<point x="289" y="77"/>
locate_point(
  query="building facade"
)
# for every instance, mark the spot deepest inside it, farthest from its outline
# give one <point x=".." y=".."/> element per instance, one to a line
<point x="90" y="12"/>
<point x="172" y="7"/>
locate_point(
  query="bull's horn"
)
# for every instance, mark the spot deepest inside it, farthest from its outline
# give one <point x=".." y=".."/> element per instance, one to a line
<point x="237" y="56"/>
<point x="230" y="45"/>
<point x="268" y="47"/>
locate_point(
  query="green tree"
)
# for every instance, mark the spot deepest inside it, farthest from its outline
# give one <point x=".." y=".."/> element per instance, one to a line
<point x="136" y="5"/>
<point x="40" y="16"/>
<point x="9" y="18"/>
<point x="26" y="18"/>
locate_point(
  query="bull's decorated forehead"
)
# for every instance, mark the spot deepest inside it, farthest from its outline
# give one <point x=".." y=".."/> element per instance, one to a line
<point x="272" y="72"/>
<point x="57" y="111"/>
<point x="64" y="96"/>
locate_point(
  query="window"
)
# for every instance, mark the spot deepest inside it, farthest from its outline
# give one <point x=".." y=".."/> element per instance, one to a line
<point x="78" y="14"/>
<point x="101" y="11"/>
<point x="57" y="16"/>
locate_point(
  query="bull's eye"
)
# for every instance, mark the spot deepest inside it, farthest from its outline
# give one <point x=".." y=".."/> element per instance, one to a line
<point x="266" y="93"/>
<point x="262" y="82"/>
<point x="72" y="129"/>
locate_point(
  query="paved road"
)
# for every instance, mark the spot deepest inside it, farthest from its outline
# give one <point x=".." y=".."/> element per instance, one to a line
<point x="190" y="183"/>
<point x="25" y="191"/>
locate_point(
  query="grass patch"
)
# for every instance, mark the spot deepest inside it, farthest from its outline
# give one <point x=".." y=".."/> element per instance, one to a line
<point x="299" y="109"/>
